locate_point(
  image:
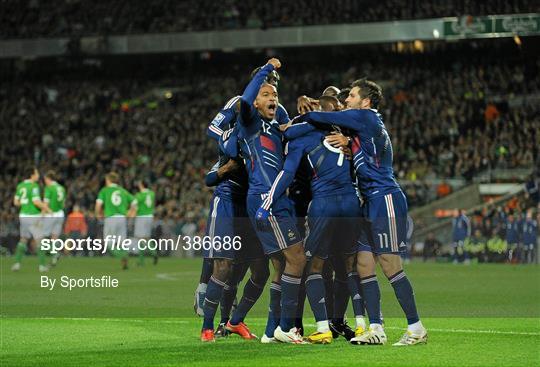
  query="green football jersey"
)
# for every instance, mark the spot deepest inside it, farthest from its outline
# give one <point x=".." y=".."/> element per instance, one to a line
<point x="116" y="200"/>
<point x="27" y="192"/>
<point x="55" y="196"/>
<point x="145" y="202"/>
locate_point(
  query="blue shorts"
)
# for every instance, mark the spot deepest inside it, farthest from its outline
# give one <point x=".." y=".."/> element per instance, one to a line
<point x="282" y="231"/>
<point x="333" y="225"/>
<point x="228" y="219"/>
<point x="387" y="221"/>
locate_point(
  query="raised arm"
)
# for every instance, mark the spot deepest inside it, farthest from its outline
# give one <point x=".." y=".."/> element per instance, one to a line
<point x="247" y="110"/>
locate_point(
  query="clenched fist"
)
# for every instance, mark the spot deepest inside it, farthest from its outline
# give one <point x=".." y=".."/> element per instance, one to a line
<point x="275" y="62"/>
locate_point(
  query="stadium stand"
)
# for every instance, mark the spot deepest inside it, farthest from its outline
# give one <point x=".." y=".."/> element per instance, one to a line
<point x="450" y="120"/>
<point x="54" y="18"/>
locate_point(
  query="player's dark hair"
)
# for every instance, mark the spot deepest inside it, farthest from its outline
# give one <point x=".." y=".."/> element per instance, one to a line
<point x="51" y="174"/>
<point x="113" y="177"/>
<point x="343" y="94"/>
<point x="369" y="89"/>
<point x="29" y="171"/>
<point x="144" y="182"/>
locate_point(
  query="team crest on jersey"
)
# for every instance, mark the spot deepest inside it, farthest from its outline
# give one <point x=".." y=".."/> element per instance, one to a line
<point x="291" y="235"/>
<point x="218" y="119"/>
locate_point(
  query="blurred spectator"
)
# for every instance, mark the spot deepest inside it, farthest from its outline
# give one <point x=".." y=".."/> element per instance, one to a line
<point x="530" y="238"/>
<point x="461" y="231"/>
<point x="532" y="191"/>
<point x="76" y="226"/>
<point x="443" y="189"/>
<point x="432" y="247"/>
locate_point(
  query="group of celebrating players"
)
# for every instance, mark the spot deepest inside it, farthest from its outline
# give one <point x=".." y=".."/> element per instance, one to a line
<point x="44" y="218"/>
<point x="336" y="162"/>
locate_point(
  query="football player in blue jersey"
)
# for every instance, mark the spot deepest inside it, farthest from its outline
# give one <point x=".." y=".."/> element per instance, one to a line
<point x="332" y="217"/>
<point x="261" y="145"/>
<point x="386" y="208"/>
<point x="228" y="219"/>
<point x="334" y="273"/>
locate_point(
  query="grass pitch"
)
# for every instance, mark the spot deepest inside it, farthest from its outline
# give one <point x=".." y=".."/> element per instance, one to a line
<point x="480" y="315"/>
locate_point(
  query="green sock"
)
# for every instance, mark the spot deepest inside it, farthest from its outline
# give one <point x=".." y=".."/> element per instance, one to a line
<point x="116" y="254"/>
<point x="20" y="251"/>
<point x="141" y="257"/>
<point x="41" y="256"/>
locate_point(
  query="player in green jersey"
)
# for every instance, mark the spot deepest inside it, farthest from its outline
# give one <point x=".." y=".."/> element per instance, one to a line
<point x="54" y="198"/>
<point x="28" y="199"/>
<point x="144" y="219"/>
<point x="113" y="202"/>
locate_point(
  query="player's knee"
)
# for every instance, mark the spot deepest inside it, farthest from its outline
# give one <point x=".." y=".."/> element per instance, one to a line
<point x="222" y="269"/>
<point x="295" y="257"/>
<point x="365" y="264"/>
<point x="390" y="264"/>
<point x="315" y="266"/>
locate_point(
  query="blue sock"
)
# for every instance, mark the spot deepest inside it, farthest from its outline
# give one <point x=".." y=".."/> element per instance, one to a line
<point x="329" y="291"/>
<point x="298" y="323"/>
<point x="316" y="293"/>
<point x="354" y="291"/>
<point x="274" y="311"/>
<point x="290" y="285"/>
<point x="226" y="303"/>
<point x="372" y="298"/>
<point x="341" y="299"/>
<point x="405" y="295"/>
<point x="211" y="301"/>
<point x="252" y="292"/>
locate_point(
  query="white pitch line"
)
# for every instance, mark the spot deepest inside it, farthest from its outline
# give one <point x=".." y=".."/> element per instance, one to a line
<point x="165" y="276"/>
<point x="103" y="319"/>
<point x="457" y="331"/>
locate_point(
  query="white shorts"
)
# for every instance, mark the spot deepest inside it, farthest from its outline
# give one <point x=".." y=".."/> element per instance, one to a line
<point x="53" y="224"/>
<point x="31" y="226"/>
<point x="143" y="227"/>
<point x="115" y="226"/>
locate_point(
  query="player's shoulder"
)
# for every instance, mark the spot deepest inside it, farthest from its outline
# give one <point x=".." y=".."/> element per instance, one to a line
<point x="231" y="102"/>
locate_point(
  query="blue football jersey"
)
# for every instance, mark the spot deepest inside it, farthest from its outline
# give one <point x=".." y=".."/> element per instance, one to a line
<point x="261" y="141"/>
<point x="371" y="148"/>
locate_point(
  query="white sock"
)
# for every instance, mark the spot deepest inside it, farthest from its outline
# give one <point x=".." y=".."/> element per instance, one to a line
<point x="201" y="288"/>
<point x="323" y="327"/>
<point x="416" y="328"/>
<point x="360" y="322"/>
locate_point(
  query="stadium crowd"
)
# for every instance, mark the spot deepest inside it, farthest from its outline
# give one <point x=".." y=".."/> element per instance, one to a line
<point x="449" y="120"/>
<point x="53" y="18"/>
